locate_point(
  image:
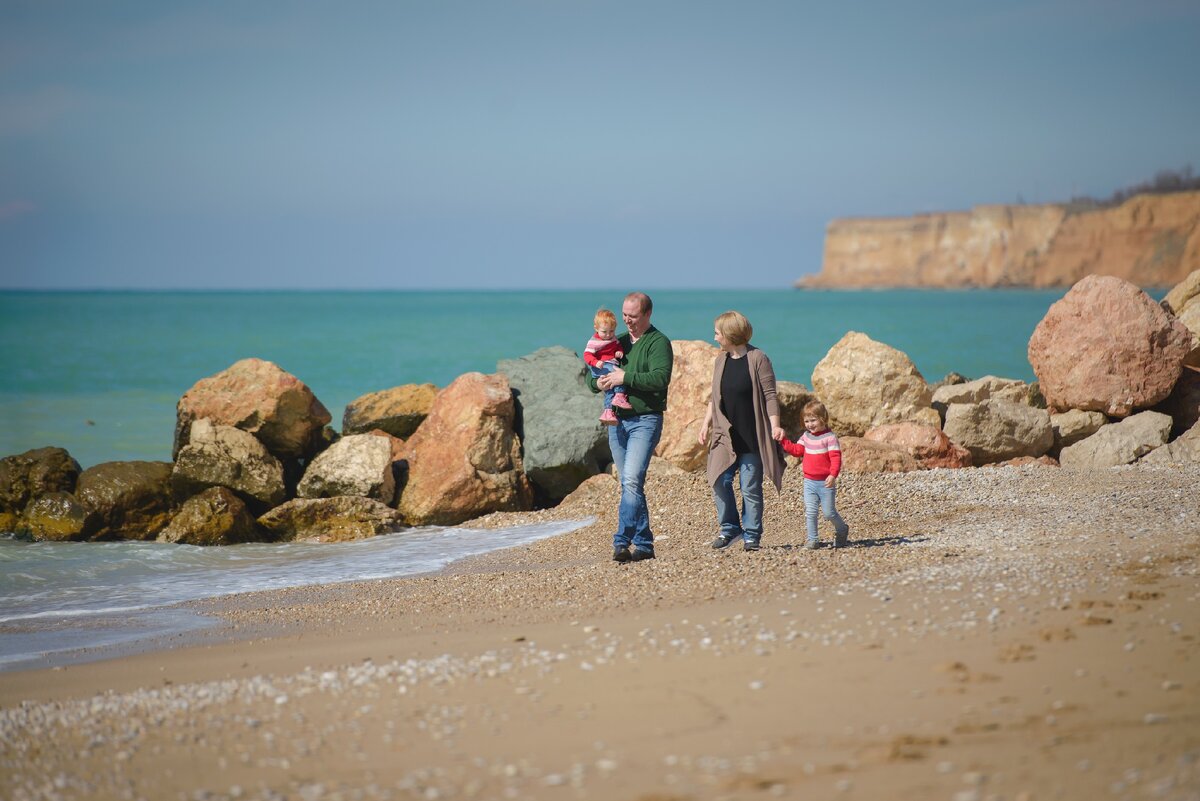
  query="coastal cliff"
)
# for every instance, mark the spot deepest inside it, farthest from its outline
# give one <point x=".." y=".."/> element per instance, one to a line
<point x="1149" y="240"/>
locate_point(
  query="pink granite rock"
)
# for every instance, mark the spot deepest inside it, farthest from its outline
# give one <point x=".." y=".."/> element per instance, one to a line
<point x="925" y="443"/>
<point x="259" y="397"/>
<point x="1106" y="346"/>
<point x="465" y="459"/>
<point x="865" y="456"/>
<point x="1021" y="461"/>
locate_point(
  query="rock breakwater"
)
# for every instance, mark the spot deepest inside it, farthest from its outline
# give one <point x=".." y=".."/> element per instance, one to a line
<point x="253" y="442"/>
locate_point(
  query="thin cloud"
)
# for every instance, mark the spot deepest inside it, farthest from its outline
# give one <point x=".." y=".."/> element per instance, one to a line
<point x="37" y="111"/>
<point x="16" y="208"/>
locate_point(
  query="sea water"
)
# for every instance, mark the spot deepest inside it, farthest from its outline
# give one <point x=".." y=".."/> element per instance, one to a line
<point x="99" y="373"/>
<point x="59" y="597"/>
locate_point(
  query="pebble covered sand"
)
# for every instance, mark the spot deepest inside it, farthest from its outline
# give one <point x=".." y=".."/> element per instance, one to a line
<point x="996" y="633"/>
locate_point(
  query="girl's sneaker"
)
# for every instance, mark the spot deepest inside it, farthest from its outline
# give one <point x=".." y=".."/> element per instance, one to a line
<point x="620" y="401"/>
<point x="608" y="418"/>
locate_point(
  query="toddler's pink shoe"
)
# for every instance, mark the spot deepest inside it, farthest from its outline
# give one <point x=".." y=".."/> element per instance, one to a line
<point x="620" y="401"/>
<point x="608" y="418"/>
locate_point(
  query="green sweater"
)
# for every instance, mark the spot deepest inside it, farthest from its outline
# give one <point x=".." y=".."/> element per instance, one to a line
<point x="647" y="366"/>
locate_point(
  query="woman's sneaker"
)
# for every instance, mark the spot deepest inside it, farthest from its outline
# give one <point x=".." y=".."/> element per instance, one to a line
<point x="841" y="540"/>
<point x="620" y="401"/>
<point x="812" y="545"/>
<point x="723" y="541"/>
<point x="751" y="545"/>
<point x="608" y="418"/>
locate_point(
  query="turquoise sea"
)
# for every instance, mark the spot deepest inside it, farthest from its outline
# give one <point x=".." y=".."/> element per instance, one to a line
<point x="99" y="373"/>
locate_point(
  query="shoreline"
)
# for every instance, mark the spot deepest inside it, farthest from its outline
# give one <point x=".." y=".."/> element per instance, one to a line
<point x="162" y="626"/>
<point x="999" y="632"/>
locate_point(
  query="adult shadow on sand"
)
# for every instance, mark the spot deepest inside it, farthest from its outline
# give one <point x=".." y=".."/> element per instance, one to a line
<point x="868" y="542"/>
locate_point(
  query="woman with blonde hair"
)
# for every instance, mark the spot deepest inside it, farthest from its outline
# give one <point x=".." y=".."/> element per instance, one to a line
<point x="744" y="419"/>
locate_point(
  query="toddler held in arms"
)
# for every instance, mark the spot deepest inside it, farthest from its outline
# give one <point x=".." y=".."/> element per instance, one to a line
<point x="602" y="353"/>
<point x="822" y="461"/>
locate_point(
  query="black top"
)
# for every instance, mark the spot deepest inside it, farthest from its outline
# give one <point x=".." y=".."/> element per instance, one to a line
<point x="737" y="404"/>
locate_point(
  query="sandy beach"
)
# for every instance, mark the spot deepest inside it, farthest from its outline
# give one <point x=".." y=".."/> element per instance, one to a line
<point x="999" y="633"/>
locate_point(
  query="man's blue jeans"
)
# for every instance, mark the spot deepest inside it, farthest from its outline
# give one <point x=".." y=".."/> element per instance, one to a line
<point x="632" y="442"/>
<point x="749" y="526"/>
<point x="817" y="494"/>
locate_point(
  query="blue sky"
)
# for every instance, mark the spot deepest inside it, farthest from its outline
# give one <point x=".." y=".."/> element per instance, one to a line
<point x="565" y="143"/>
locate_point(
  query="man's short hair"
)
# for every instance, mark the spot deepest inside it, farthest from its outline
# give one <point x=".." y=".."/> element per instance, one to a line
<point x="643" y="300"/>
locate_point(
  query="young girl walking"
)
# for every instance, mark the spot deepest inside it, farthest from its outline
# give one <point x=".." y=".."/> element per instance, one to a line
<point x="822" y="461"/>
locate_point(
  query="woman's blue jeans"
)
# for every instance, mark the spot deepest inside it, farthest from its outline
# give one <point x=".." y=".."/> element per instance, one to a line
<point x="750" y="473"/>
<point x="632" y="441"/>
<point x="817" y="494"/>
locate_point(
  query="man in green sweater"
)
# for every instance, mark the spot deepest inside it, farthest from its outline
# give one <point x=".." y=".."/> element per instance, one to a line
<point x="645" y="373"/>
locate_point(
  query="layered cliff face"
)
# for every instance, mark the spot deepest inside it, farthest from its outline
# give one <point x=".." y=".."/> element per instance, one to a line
<point x="1149" y="240"/>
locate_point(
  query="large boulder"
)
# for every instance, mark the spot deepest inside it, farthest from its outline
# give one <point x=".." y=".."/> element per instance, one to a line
<point x="54" y="516"/>
<point x="224" y="456"/>
<point x="465" y="459"/>
<point x="997" y="430"/>
<point x="27" y="475"/>
<point x="1073" y="425"/>
<point x="1119" y="443"/>
<point x="1181" y="295"/>
<point x="990" y="386"/>
<point x="330" y="519"/>
<point x="1190" y="317"/>
<point x="126" y="500"/>
<point x="792" y="398"/>
<point x="866" y="456"/>
<point x="928" y="444"/>
<point x="360" y="464"/>
<point x="259" y="397"/>
<point x="214" y="517"/>
<point x="394" y="443"/>
<point x="865" y="384"/>
<point x="1107" y="347"/>
<point x="557" y="418"/>
<point x="688" y="397"/>
<point x="1184" y="449"/>
<point x="398" y="410"/>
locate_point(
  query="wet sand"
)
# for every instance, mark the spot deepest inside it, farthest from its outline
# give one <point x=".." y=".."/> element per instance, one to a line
<point x="990" y="634"/>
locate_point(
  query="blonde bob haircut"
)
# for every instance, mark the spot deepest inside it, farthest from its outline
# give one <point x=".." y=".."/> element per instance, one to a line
<point x="734" y="327"/>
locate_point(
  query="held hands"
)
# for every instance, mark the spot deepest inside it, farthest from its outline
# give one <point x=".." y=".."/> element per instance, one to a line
<point x="777" y="433"/>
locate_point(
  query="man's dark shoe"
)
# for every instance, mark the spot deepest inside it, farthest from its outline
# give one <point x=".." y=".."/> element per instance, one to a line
<point x="621" y="555"/>
<point x="638" y="555"/>
<point x="751" y="545"/>
<point x="723" y="541"/>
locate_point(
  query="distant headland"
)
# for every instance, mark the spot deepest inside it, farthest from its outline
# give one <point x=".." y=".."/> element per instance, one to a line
<point x="1152" y="240"/>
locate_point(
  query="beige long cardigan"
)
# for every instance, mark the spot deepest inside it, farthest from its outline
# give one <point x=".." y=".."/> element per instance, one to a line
<point x="720" y="447"/>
